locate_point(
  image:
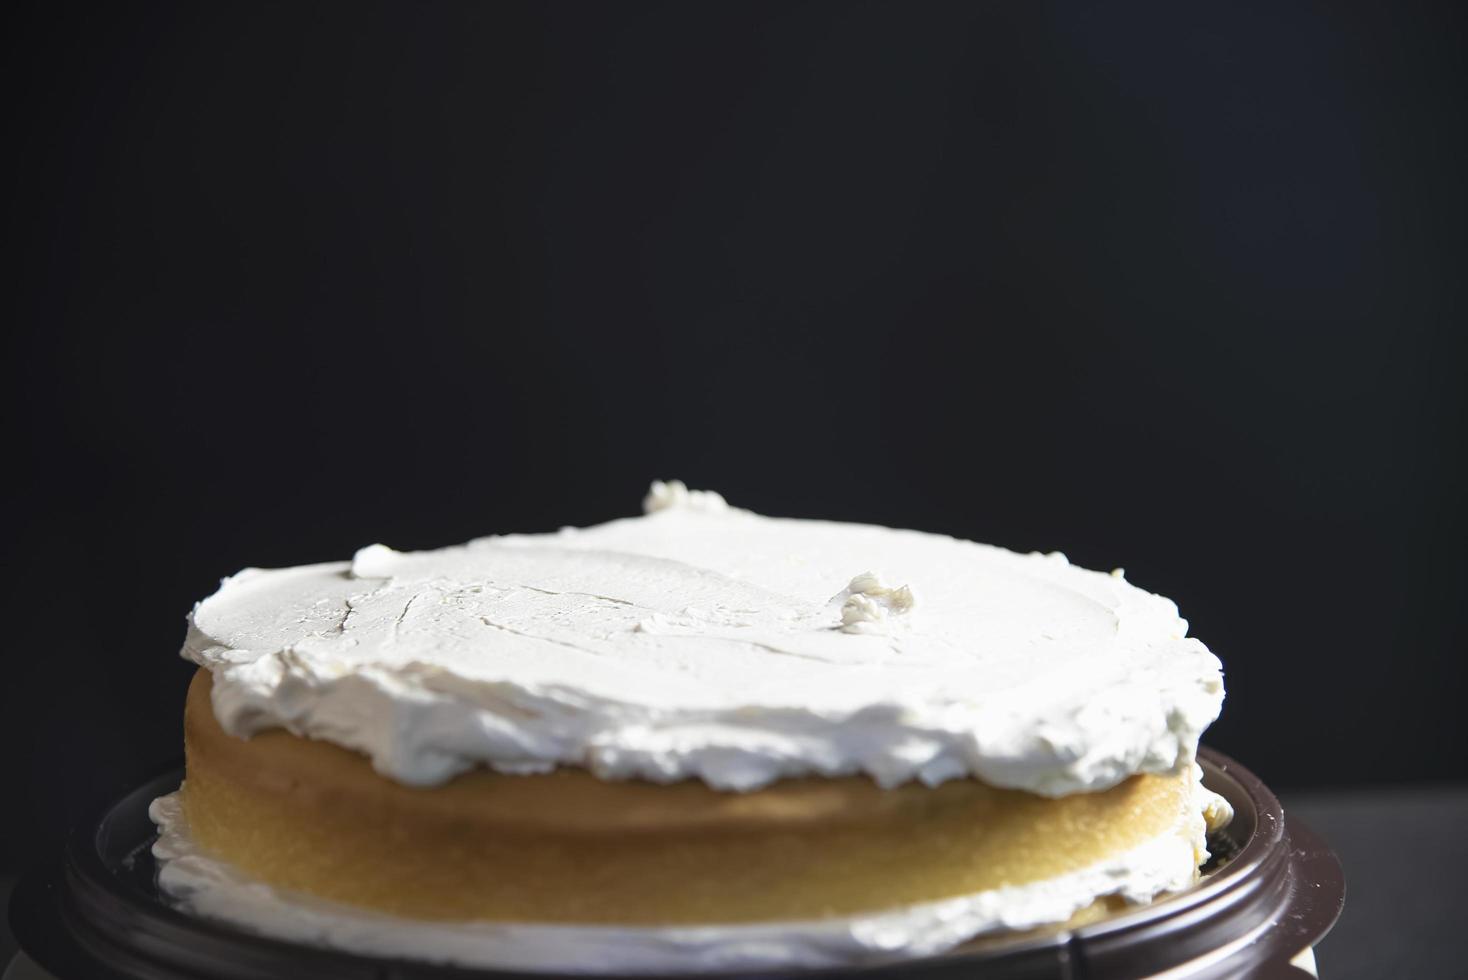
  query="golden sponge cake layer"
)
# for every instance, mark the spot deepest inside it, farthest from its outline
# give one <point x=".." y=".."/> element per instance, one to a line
<point x="566" y="847"/>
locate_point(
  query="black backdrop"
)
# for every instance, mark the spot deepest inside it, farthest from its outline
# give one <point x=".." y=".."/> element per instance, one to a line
<point x="1170" y="286"/>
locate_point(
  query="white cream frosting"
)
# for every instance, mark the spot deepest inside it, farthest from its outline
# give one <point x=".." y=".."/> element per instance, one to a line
<point x="867" y="605"/>
<point x="207" y="886"/>
<point x="675" y="494"/>
<point x="705" y="641"/>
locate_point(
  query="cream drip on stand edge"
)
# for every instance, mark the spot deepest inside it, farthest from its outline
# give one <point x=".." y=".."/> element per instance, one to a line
<point x="704" y="641"/>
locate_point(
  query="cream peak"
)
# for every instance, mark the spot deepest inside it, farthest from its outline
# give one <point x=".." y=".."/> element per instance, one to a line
<point x="675" y="495"/>
<point x="867" y="605"/>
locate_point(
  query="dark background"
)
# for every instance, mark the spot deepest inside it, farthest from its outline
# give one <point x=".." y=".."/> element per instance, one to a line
<point x="1170" y="286"/>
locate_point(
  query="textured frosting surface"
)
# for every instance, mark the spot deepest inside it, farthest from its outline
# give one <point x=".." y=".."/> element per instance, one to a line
<point x="704" y="641"/>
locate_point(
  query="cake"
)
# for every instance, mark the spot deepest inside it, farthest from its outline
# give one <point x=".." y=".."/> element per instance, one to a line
<point x="695" y="739"/>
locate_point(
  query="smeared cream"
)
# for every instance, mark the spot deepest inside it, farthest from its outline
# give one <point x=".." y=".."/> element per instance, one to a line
<point x="703" y="641"/>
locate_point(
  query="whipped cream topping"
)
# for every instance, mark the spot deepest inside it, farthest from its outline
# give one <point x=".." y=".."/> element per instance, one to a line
<point x="704" y="641"/>
<point x="675" y="494"/>
<point x="206" y="886"/>
<point x="866" y="603"/>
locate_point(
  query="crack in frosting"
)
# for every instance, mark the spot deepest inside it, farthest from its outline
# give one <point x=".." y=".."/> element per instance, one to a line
<point x="702" y="641"/>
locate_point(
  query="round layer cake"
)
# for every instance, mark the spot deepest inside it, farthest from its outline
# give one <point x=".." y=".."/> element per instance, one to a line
<point x="697" y="738"/>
